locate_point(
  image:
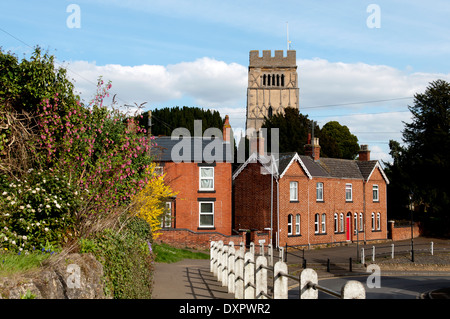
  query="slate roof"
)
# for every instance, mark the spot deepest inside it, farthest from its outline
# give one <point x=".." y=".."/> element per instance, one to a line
<point x="194" y="149"/>
<point x="327" y="167"/>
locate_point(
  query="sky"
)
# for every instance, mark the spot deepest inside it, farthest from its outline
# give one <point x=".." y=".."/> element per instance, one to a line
<point x="359" y="62"/>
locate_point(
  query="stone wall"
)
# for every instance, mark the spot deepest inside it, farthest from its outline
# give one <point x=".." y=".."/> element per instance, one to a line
<point x="75" y="276"/>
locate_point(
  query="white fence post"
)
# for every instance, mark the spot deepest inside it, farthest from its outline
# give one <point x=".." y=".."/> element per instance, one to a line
<point x="225" y="265"/>
<point x="280" y="285"/>
<point x="211" y="256"/>
<point x="432" y="248"/>
<point x="249" y="275"/>
<point x="219" y="261"/>
<point x="270" y="253"/>
<point x="392" y="254"/>
<point x="231" y="268"/>
<point x="252" y="247"/>
<point x="282" y="254"/>
<point x="308" y="275"/>
<point x="373" y="253"/>
<point x="363" y="258"/>
<point x="261" y="277"/>
<point x="353" y="290"/>
<point x="239" y="269"/>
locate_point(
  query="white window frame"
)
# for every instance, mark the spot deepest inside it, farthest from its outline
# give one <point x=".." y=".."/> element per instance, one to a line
<point x="316" y="223"/>
<point x="348" y="187"/>
<point x="166" y="220"/>
<point x="376" y="190"/>
<point x="290" y="224"/>
<point x="159" y="170"/>
<point x="361" y="222"/>
<point x="293" y="186"/>
<point x="200" y="214"/>
<point x="378" y="221"/>
<point x="341" y="222"/>
<point x="373" y="221"/>
<point x="355" y="220"/>
<point x="324" y="223"/>
<point x="297" y="224"/>
<point x="200" y="178"/>
<point x="319" y="187"/>
<point x="336" y="223"/>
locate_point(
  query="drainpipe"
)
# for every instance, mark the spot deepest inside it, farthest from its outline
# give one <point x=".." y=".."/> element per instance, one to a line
<point x="309" y="243"/>
<point x="364" y="209"/>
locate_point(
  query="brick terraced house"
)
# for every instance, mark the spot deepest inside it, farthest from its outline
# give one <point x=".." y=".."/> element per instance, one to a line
<point x="199" y="169"/>
<point x="314" y="200"/>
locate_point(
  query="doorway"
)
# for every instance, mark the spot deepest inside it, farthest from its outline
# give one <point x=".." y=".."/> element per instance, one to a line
<point x="349" y="226"/>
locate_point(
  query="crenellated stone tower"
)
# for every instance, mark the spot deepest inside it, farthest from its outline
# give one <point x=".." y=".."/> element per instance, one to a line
<point x="272" y="85"/>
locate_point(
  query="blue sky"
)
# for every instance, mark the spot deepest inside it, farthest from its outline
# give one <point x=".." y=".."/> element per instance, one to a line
<point x="195" y="53"/>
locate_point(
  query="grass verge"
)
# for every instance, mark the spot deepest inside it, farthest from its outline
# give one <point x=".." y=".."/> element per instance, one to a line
<point x="167" y="254"/>
<point x="12" y="263"/>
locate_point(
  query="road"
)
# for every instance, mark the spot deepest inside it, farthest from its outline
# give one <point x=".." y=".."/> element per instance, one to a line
<point x="390" y="287"/>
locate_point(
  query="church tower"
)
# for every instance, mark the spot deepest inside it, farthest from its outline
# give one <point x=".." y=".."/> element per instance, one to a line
<point x="272" y="86"/>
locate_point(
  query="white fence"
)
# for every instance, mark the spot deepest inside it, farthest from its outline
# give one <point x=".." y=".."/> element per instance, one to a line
<point x="246" y="275"/>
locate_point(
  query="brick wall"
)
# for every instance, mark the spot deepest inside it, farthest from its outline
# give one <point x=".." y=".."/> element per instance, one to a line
<point x="184" y="179"/>
<point x="402" y="232"/>
<point x="252" y="206"/>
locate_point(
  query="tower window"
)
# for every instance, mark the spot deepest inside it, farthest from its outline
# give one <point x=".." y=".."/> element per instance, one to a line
<point x="270" y="112"/>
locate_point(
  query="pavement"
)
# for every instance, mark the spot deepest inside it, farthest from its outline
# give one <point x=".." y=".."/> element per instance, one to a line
<point x="192" y="279"/>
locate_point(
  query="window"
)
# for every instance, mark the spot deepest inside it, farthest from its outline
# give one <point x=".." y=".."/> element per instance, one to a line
<point x="361" y="222"/>
<point x="293" y="186"/>
<point x="373" y="221"/>
<point x="316" y="223"/>
<point x="319" y="191"/>
<point x="206" y="216"/>
<point x="166" y="220"/>
<point x="297" y="224"/>
<point x="341" y="222"/>
<point x="378" y="221"/>
<point x="324" y="223"/>
<point x="290" y="224"/>
<point x="375" y="193"/>
<point x="206" y="178"/>
<point x="348" y="192"/>
<point x="356" y="222"/>
<point x="336" y="223"/>
<point x="159" y="170"/>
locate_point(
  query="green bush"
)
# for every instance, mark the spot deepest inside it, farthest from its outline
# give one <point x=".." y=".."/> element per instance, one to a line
<point x="36" y="211"/>
<point x="127" y="259"/>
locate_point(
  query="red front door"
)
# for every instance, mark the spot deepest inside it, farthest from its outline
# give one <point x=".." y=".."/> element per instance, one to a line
<point x="348" y="227"/>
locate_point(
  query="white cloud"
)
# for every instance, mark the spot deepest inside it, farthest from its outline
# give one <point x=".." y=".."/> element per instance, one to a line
<point x="214" y="84"/>
<point x="207" y="81"/>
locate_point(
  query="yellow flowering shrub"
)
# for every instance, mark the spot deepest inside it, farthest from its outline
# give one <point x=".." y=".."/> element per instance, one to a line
<point x="150" y="201"/>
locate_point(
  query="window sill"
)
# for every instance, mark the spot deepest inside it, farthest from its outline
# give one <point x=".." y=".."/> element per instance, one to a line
<point x="294" y="201"/>
<point x="376" y="230"/>
<point x="320" y="234"/>
<point x="211" y="191"/>
<point x="320" y="201"/>
<point x="294" y="236"/>
<point x="207" y="228"/>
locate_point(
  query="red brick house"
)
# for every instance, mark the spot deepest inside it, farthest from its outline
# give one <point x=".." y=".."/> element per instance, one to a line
<point x="314" y="200"/>
<point x="199" y="170"/>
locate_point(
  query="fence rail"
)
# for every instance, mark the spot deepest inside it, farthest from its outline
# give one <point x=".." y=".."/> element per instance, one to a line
<point x="246" y="275"/>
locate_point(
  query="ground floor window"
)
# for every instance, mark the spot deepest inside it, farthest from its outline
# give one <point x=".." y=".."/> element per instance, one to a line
<point x="297" y="224"/>
<point x="290" y="224"/>
<point x="206" y="216"/>
<point x="166" y="220"/>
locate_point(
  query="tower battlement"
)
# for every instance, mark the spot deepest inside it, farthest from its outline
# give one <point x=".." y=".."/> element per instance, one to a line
<point x="267" y="60"/>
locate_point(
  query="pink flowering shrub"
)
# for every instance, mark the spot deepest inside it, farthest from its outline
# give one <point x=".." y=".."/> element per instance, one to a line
<point x="102" y="151"/>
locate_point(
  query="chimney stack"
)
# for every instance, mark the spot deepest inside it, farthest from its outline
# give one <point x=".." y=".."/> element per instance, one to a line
<point x="226" y="131"/>
<point x="313" y="149"/>
<point x="364" y="153"/>
<point x="257" y="144"/>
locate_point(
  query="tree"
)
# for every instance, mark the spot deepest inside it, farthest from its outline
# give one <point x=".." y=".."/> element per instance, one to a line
<point x="293" y="130"/>
<point x="341" y="143"/>
<point x="424" y="161"/>
<point x="335" y="140"/>
<point x="165" y="120"/>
